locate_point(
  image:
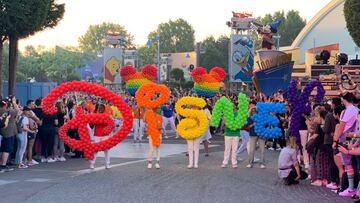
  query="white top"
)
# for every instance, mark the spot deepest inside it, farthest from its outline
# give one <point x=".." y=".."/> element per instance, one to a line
<point x="25" y="122"/>
<point x="349" y="116"/>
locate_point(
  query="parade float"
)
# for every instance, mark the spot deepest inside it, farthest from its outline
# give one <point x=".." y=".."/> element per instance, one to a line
<point x="269" y="69"/>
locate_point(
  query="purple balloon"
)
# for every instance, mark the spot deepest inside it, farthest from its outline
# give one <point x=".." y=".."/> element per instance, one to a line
<point x="301" y="105"/>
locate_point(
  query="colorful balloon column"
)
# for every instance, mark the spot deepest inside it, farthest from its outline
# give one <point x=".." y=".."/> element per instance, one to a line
<point x="195" y="123"/>
<point x="266" y="125"/>
<point x="207" y="85"/>
<point x="147" y="97"/>
<point x="80" y="121"/>
<point x="225" y="107"/>
<point x="134" y="79"/>
<point x="300" y="103"/>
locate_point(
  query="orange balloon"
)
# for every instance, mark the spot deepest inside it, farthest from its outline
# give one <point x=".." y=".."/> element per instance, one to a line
<point x="146" y="95"/>
<point x="154" y="122"/>
<point x="152" y="96"/>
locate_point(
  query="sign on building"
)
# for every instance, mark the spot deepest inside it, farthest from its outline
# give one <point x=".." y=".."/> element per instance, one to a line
<point x="112" y="64"/>
<point x="241" y="59"/>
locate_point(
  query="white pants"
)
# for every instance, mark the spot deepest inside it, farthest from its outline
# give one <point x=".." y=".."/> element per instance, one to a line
<point x="151" y="150"/>
<point x="170" y="120"/>
<point x="106" y="152"/>
<point x="138" y="125"/>
<point x="304" y="139"/>
<point x="231" y="145"/>
<point x="193" y="151"/>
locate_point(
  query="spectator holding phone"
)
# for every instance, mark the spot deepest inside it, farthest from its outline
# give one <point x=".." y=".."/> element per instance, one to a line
<point x="9" y="133"/>
<point x="347" y="124"/>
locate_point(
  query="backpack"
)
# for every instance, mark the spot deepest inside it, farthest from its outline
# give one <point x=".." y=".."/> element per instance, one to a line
<point x="19" y="124"/>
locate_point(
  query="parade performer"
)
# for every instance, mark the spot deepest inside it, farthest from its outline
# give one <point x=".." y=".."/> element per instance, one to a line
<point x="97" y="136"/>
<point x="193" y="126"/>
<point x="154" y="130"/>
<point x="207" y="135"/>
<point x="152" y="96"/>
<point x="234" y="118"/>
<point x="168" y="117"/>
<point x="139" y="124"/>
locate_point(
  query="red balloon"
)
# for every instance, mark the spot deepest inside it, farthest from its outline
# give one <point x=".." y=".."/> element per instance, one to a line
<point x="80" y="121"/>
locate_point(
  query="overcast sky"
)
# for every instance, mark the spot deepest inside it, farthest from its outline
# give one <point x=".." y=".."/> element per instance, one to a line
<point x="142" y="16"/>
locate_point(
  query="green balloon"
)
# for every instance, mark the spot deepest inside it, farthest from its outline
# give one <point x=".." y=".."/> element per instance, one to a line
<point x="224" y="107"/>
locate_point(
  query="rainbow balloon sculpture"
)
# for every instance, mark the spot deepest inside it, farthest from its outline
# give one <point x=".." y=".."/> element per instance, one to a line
<point x="134" y="79"/>
<point x="207" y="84"/>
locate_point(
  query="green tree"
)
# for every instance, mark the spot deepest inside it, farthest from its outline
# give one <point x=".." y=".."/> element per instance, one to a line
<point x="291" y="26"/>
<point x="177" y="74"/>
<point x="146" y="55"/>
<point x="93" y="39"/>
<point x="57" y="65"/>
<point x="23" y="18"/>
<point x="211" y="56"/>
<point x="175" y="36"/>
<point x="352" y="17"/>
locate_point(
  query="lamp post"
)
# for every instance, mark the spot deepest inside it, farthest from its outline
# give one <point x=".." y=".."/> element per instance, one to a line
<point x="149" y="43"/>
<point x="158" y="54"/>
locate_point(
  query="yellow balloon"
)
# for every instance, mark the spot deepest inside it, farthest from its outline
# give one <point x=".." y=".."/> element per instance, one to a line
<point x="195" y="123"/>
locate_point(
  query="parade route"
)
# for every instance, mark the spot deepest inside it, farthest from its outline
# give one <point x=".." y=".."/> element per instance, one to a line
<point x="128" y="180"/>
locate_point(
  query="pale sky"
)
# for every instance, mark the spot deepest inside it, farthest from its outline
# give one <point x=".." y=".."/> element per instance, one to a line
<point x="142" y="16"/>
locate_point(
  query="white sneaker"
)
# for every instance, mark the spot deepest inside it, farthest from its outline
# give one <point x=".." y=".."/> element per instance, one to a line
<point x="92" y="166"/>
<point x="223" y="166"/>
<point x="43" y="160"/>
<point x="33" y="162"/>
<point x="262" y="166"/>
<point x="272" y="149"/>
<point x="157" y="166"/>
<point x="51" y="160"/>
<point x="196" y="166"/>
<point x="189" y="166"/>
<point x="149" y="165"/>
<point x="107" y="166"/>
<point x="249" y="166"/>
<point x="62" y="159"/>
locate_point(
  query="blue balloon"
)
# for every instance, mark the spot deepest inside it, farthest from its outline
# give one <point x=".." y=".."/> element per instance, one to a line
<point x="266" y="125"/>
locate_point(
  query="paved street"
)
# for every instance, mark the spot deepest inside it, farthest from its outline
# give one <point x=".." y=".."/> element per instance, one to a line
<point x="130" y="181"/>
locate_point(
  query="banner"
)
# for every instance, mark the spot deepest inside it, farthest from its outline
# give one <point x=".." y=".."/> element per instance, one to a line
<point x="241" y="58"/>
<point x="112" y="64"/>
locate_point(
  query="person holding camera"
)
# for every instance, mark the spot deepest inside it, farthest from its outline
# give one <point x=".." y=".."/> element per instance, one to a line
<point x="348" y="120"/>
<point x="10" y="108"/>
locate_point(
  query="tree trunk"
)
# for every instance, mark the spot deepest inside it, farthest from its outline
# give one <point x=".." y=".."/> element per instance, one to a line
<point x="1" y="67"/>
<point x="13" y="49"/>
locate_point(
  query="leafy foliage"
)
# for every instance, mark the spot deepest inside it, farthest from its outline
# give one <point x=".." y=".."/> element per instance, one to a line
<point x="146" y="55"/>
<point x="292" y="24"/>
<point x="352" y="17"/>
<point x="175" y="36"/>
<point x="177" y="74"/>
<point x="93" y="39"/>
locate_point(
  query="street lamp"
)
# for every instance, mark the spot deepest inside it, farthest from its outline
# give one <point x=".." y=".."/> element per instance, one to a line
<point x="149" y="43"/>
